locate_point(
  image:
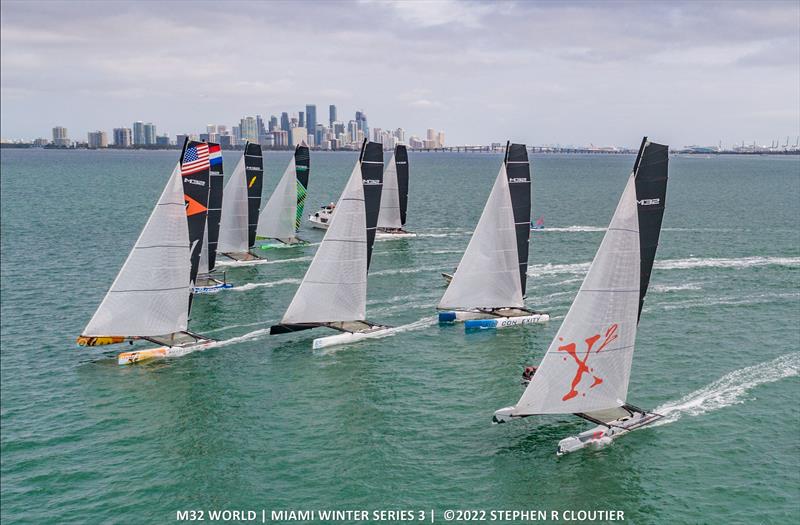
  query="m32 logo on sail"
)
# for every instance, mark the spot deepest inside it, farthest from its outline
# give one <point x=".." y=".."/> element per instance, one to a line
<point x="372" y="182"/>
<point x="514" y="180"/>
<point x="583" y="367"/>
<point x="649" y="202"/>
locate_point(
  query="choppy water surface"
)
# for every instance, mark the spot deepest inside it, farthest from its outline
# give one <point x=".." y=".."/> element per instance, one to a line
<point x="404" y="421"/>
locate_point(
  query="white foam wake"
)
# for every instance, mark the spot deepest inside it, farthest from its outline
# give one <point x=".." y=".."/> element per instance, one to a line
<point x="259" y="262"/>
<point x="251" y="286"/>
<point x="420" y="324"/>
<point x="570" y="229"/>
<point x="730" y="389"/>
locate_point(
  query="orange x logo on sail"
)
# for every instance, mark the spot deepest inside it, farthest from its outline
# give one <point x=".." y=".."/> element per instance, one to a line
<point x="583" y="368"/>
<point x="192" y="206"/>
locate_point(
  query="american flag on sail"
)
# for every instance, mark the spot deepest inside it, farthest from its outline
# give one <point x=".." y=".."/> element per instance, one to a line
<point x="195" y="159"/>
<point x="215" y="154"/>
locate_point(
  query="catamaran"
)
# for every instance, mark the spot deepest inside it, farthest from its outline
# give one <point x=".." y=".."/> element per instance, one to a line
<point x="333" y="292"/>
<point x="488" y="287"/>
<point x="281" y="216"/>
<point x="394" y="197"/>
<point x="208" y="280"/>
<point x="241" y="201"/>
<point x="587" y="367"/>
<point x="151" y="297"/>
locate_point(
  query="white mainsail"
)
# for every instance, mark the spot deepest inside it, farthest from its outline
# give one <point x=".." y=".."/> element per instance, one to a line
<point x="335" y="285"/>
<point x="150" y="295"/>
<point x="278" y="218"/>
<point x="233" y="225"/>
<point x="587" y="366"/>
<point x="488" y="274"/>
<point x="389" y="215"/>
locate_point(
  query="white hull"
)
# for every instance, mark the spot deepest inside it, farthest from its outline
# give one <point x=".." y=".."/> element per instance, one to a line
<point x="316" y="223"/>
<point x="350" y="337"/>
<point x="393" y="235"/>
<point x="506" y="322"/>
<point x="130" y="358"/>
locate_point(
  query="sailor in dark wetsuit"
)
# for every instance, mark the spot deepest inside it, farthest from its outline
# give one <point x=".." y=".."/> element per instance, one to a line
<point x="527" y="374"/>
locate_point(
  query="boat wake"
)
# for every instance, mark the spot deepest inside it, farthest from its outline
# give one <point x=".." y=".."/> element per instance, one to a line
<point x="731" y="301"/>
<point x="571" y="229"/>
<point x="420" y="324"/>
<point x="259" y="262"/>
<point x="730" y="389"/>
<point x="398" y="271"/>
<point x="664" y="288"/>
<point x="252" y="286"/>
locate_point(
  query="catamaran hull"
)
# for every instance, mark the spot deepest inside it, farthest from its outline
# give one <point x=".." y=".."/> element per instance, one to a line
<point x="349" y="337"/>
<point x="282" y="245"/>
<point x="139" y="356"/>
<point x="602" y="435"/>
<point x="505" y="322"/>
<point x="389" y="235"/>
<point x="211" y="289"/>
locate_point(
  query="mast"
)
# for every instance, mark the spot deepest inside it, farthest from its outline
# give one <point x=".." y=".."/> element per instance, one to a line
<point x="302" y="164"/>
<point x="587" y="367"/>
<point x="519" y="184"/>
<point x="650" y="171"/>
<point x="254" y="168"/>
<point x="488" y="275"/>
<point x="195" y="176"/>
<point x="214" y="202"/>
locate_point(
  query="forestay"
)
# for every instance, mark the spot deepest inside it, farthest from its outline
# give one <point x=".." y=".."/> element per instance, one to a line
<point x="587" y="366"/>
<point x="150" y="295"/>
<point x="488" y="274"/>
<point x="335" y="285"/>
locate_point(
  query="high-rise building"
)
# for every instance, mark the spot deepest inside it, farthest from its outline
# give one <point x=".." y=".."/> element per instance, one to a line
<point x="180" y="139"/>
<point x="319" y="134"/>
<point x="400" y="135"/>
<point x="123" y="138"/>
<point x="338" y="128"/>
<point x="280" y="138"/>
<point x="302" y="120"/>
<point x="431" y="135"/>
<point x="311" y="117"/>
<point x="273" y="123"/>
<point x="237" y="135"/>
<point x="211" y="128"/>
<point x="285" y="122"/>
<point x="138" y="133"/>
<point x="262" y="130"/>
<point x="361" y="121"/>
<point x="298" y="136"/>
<point x="225" y="140"/>
<point x="331" y="115"/>
<point x="377" y="135"/>
<point x="60" y="137"/>
<point x="162" y="140"/>
<point x="248" y="129"/>
<point x="440" y="139"/>
<point x="352" y="131"/>
<point x="149" y="133"/>
<point x="97" y="139"/>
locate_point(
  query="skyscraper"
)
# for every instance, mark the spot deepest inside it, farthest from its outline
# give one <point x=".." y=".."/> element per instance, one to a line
<point x="150" y="133"/>
<point x="319" y="135"/>
<point x="361" y="122"/>
<point x="262" y="130"/>
<point x="123" y="137"/>
<point x="273" y="123"/>
<point x="302" y="120"/>
<point x="138" y="133"/>
<point x="60" y="136"/>
<point x="311" y="117"/>
<point x="331" y="115"/>
<point x="248" y="129"/>
<point x="97" y="139"/>
<point x="285" y="122"/>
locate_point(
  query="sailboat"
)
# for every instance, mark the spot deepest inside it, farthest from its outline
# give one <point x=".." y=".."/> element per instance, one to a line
<point x="539" y="224"/>
<point x="241" y="201"/>
<point x="280" y="219"/>
<point x="488" y="287"/>
<point x="394" y="197"/>
<point x="209" y="281"/>
<point x="587" y="367"/>
<point x="333" y="292"/>
<point x="150" y="299"/>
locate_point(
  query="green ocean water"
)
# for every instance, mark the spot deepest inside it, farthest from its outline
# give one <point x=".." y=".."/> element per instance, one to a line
<point x="402" y="422"/>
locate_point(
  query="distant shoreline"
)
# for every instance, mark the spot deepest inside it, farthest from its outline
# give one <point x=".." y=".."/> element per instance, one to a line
<point x="453" y="149"/>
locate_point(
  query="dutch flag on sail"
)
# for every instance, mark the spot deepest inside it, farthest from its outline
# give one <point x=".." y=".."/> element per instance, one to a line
<point x="215" y="154"/>
<point x="195" y="159"/>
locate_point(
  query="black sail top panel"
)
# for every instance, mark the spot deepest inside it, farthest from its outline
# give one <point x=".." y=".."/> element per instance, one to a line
<point x="254" y="174"/>
<point x="519" y="183"/>
<point x="401" y="162"/>
<point x="651" y="171"/>
<point x="302" y="166"/>
<point x="214" y="201"/>
<point x="195" y="175"/>
<point x="372" y="177"/>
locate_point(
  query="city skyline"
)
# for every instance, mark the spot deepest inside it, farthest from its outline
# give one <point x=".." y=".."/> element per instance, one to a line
<point x="686" y="73"/>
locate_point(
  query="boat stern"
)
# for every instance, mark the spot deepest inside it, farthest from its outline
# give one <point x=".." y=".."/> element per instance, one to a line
<point x="130" y="358"/>
<point x="504" y="415"/>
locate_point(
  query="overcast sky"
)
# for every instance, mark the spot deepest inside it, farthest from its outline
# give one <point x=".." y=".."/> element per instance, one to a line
<point x="535" y="72"/>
